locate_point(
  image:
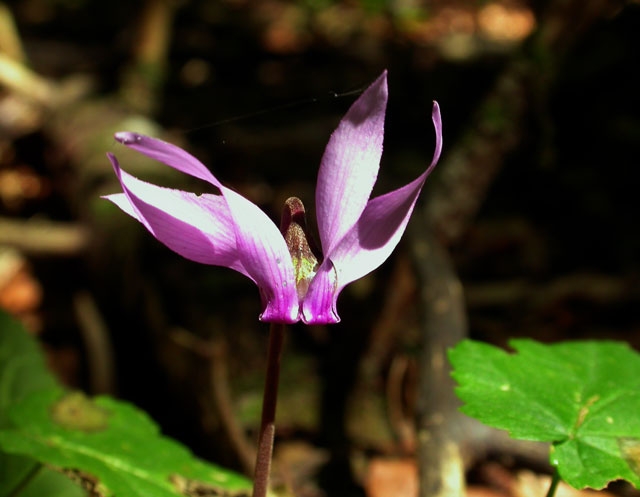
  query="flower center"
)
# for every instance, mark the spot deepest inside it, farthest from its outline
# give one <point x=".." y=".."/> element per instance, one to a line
<point x="300" y="244"/>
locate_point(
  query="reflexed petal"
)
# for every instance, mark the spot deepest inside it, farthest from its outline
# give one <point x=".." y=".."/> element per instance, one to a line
<point x="350" y="164"/>
<point x="258" y="249"/>
<point x="199" y="228"/>
<point x="370" y="242"/>
<point x="168" y="154"/>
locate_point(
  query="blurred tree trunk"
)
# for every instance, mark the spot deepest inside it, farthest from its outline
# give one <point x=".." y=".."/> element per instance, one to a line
<point x="448" y="441"/>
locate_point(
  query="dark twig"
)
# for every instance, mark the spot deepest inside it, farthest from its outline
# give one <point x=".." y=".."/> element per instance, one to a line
<point x="145" y="76"/>
<point x="214" y="351"/>
<point x="222" y="398"/>
<point x="389" y="324"/>
<point x="97" y="342"/>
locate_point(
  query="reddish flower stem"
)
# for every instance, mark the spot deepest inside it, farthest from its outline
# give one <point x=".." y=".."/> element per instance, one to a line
<point x="267" y="425"/>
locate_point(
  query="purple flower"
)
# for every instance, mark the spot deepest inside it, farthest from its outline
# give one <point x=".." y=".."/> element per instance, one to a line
<point x="357" y="234"/>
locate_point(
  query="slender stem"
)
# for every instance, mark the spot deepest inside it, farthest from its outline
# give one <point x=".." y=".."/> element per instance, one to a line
<point x="267" y="425"/>
<point x="554" y="484"/>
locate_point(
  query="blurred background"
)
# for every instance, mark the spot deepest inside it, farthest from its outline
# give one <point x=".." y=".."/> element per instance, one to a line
<point x="532" y="211"/>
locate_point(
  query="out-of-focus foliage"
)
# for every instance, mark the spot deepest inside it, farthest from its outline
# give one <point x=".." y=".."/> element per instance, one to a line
<point x="104" y="445"/>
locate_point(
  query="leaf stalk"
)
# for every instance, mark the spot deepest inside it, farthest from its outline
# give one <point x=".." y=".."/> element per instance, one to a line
<point x="555" y="479"/>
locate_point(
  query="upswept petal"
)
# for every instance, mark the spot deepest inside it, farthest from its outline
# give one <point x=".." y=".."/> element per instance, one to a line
<point x="350" y="164"/>
<point x="370" y="242"/>
<point x="364" y="248"/>
<point x="198" y="228"/>
<point x="261" y="249"/>
<point x="379" y="229"/>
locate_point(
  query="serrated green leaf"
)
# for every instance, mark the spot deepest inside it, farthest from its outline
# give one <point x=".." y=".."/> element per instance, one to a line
<point x="583" y="397"/>
<point x="126" y="455"/>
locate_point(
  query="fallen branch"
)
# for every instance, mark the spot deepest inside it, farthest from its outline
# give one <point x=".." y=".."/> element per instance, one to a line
<point x="44" y="238"/>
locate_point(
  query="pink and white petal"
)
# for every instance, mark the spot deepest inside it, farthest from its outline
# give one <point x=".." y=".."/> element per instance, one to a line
<point x="226" y="230"/>
<point x="168" y="154"/>
<point x="362" y="250"/>
<point x="370" y="242"/>
<point x="121" y="200"/>
<point x="319" y="304"/>
<point x="263" y="251"/>
<point x="376" y="234"/>
<point x="199" y="228"/>
<point x="350" y="164"/>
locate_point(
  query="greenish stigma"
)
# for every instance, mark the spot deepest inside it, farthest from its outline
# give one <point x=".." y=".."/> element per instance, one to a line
<point x="300" y="244"/>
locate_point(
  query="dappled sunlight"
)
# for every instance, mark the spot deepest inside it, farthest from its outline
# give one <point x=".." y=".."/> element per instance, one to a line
<point x="464" y="30"/>
<point x="505" y="23"/>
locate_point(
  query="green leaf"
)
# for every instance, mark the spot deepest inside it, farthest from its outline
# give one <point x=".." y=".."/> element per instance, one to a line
<point x="24" y="477"/>
<point x="22" y="366"/>
<point x="117" y="448"/>
<point x="53" y="443"/>
<point x="583" y="397"/>
<point x="22" y="372"/>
